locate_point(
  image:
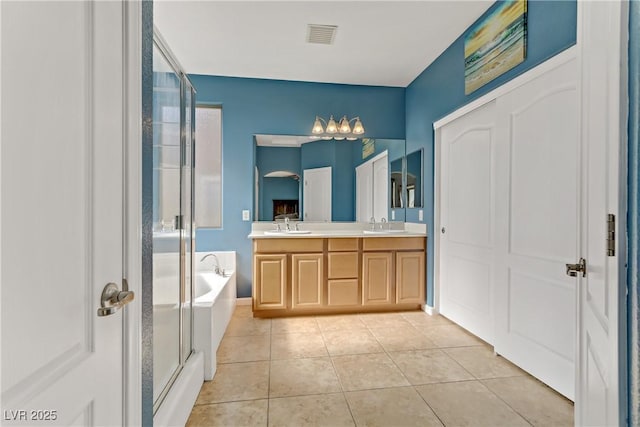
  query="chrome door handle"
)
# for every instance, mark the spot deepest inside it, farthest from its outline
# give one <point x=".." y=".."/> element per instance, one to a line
<point x="574" y="269"/>
<point x="113" y="299"/>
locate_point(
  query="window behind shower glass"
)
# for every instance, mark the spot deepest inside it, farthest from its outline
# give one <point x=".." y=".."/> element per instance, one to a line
<point x="208" y="173"/>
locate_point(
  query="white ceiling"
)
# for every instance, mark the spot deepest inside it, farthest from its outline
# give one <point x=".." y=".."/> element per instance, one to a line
<point x="380" y="43"/>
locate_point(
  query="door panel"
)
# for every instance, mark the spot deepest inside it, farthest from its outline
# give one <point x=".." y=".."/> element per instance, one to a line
<point x="380" y="189"/>
<point x="364" y="195"/>
<point x="467" y="221"/>
<point x="270" y="281"/>
<point x="538" y="218"/>
<point x="410" y="277"/>
<point x="602" y="29"/>
<point x="317" y="194"/>
<point x="62" y="162"/>
<point x="377" y="278"/>
<point x="307" y="280"/>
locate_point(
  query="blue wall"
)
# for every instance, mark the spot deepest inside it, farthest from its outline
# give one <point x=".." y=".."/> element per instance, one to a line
<point x="634" y="213"/>
<point x="439" y="90"/>
<point x="253" y="106"/>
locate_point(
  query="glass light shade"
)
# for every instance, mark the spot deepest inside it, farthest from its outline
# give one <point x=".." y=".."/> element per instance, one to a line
<point x="351" y="139"/>
<point x="358" y="129"/>
<point x="326" y="138"/>
<point x="317" y="126"/>
<point x="344" y="125"/>
<point x="338" y="138"/>
<point x="331" y="126"/>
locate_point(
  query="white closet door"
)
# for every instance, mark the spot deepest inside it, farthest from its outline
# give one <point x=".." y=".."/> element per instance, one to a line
<point x="467" y="153"/>
<point x="537" y="190"/>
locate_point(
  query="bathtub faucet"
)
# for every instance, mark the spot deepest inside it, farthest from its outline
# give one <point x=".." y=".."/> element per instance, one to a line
<point x="217" y="268"/>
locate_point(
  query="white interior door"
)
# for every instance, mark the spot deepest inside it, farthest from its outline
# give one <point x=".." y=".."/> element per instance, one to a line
<point x="317" y="194"/>
<point x="380" y="189"/>
<point x="538" y="220"/>
<point x="467" y="150"/>
<point x="602" y="37"/>
<point x="62" y="210"/>
<point x="364" y="195"/>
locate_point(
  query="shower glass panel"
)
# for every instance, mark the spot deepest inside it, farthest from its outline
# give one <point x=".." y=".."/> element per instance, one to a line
<point x="187" y="220"/>
<point x="173" y="234"/>
<point x="166" y="209"/>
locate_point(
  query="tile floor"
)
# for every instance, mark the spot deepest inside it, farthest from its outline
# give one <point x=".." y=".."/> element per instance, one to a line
<point x="391" y="369"/>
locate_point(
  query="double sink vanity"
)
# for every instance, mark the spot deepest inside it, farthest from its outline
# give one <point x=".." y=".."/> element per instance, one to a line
<point x="337" y="268"/>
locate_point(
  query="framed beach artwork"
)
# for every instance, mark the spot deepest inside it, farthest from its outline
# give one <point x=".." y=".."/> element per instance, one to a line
<point x="495" y="45"/>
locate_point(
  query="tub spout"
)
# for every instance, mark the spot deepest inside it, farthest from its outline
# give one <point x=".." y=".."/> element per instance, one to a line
<point x="216" y="268"/>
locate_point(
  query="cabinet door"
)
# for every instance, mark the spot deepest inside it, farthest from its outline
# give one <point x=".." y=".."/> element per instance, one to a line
<point x="307" y="281"/>
<point x="410" y="277"/>
<point x="270" y="281"/>
<point x="377" y="279"/>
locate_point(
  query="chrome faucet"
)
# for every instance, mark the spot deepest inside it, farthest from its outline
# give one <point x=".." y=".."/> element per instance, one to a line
<point x="217" y="268"/>
<point x="382" y="221"/>
<point x="372" y="221"/>
<point x="297" y="225"/>
<point x="286" y="223"/>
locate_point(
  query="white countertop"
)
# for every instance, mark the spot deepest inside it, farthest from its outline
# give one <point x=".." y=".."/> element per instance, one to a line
<point x="266" y="230"/>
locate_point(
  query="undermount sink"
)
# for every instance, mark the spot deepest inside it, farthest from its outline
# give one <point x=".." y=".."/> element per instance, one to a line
<point x="383" y="231"/>
<point x="281" y="232"/>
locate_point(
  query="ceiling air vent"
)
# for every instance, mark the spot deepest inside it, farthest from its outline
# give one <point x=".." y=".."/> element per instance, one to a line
<point x="321" y="34"/>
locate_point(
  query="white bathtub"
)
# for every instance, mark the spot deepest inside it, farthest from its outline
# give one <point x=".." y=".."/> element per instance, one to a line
<point x="213" y="306"/>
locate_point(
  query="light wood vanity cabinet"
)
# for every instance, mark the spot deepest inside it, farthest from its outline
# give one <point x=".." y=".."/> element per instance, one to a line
<point x="270" y="271"/>
<point x="307" y="280"/>
<point x="337" y="275"/>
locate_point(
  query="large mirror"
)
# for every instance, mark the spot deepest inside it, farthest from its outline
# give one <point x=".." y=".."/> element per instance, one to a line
<point x="305" y="178"/>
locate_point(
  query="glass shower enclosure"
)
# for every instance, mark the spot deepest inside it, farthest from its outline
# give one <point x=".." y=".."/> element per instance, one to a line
<point x="173" y="233"/>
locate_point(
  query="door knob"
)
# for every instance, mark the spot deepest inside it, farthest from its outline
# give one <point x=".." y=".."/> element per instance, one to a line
<point x="113" y="299"/>
<point x="574" y="269"/>
<point x="443" y="230"/>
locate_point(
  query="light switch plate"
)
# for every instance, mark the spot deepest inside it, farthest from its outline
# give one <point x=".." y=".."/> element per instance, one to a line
<point x="393" y="215"/>
<point x="420" y="216"/>
<point x="245" y="215"/>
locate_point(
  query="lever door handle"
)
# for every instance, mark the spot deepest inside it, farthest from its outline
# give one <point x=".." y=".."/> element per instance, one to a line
<point x="113" y="299"/>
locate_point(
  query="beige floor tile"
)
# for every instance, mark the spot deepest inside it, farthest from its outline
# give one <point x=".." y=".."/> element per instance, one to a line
<point x="536" y="402"/>
<point x="384" y="320"/>
<point x="429" y="366"/>
<point x="451" y="336"/>
<point x="420" y="319"/>
<point x="243" y="349"/>
<point x="294" y="325"/>
<point x="329" y="410"/>
<point x="356" y="341"/>
<point x="483" y="363"/>
<point x="298" y="377"/>
<point x="469" y="403"/>
<point x="367" y="371"/>
<point x="344" y="322"/>
<point x="236" y="381"/>
<point x="291" y="346"/>
<point x="244" y="326"/>
<point x="398" y="406"/>
<point x="243" y="311"/>
<point x="397" y="339"/>
<point x="247" y="414"/>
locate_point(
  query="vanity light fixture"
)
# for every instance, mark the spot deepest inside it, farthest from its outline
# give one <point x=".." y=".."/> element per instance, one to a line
<point x="338" y="131"/>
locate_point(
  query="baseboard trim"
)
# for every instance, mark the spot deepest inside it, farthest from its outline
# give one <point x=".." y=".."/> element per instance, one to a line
<point x="431" y="311"/>
<point x="243" y="301"/>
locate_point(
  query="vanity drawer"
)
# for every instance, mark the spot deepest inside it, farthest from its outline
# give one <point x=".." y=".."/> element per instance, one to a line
<point x="343" y="244"/>
<point x="393" y="243"/>
<point x="288" y="245"/>
<point x="343" y="293"/>
<point x="343" y="265"/>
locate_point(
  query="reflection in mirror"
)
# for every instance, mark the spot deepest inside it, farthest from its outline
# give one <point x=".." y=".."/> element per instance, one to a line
<point x="414" y="179"/>
<point x="395" y="173"/>
<point x="281" y="162"/>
